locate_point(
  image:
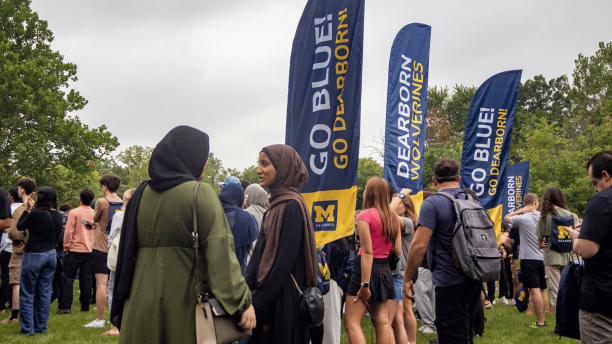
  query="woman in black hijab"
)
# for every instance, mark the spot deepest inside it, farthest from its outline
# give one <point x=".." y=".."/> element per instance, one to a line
<point x="156" y="248"/>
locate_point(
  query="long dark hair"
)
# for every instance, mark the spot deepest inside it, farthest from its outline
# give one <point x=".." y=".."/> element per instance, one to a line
<point x="46" y="198"/>
<point x="410" y="212"/>
<point x="553" y="196"/>
<point x="377" y="196"/>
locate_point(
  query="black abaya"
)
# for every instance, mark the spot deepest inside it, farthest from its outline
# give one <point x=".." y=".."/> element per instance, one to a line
<point x="276" y="299"/>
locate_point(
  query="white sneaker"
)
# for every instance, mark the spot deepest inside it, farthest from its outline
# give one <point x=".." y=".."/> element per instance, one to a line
<point x="422" y="328"/>
<point x="495" y="301"/>
<point x="513" y="302"/>
<point x="96" y="324"/>
<point x="429" y="330"/>
<point x="507" y="301"/>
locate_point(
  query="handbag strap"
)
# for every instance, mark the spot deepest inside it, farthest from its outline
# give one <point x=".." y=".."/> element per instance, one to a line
<point x="296" y="285"/>
<point x="54" y="236"/>
<point x="196" y="246"/>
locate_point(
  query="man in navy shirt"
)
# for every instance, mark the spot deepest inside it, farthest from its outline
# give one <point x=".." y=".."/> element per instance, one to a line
<point x="456" y="294"/>
<point x="594" y="244"/>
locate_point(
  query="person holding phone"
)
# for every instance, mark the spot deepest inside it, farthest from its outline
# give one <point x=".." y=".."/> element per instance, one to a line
<point x="77" y="247"/>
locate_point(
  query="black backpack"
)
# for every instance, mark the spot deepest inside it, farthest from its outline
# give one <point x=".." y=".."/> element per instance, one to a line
<point x="568" y="301"/>
<point x="560" y="240"/>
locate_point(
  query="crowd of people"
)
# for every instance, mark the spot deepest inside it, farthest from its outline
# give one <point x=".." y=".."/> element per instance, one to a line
<point x="148" y="254"/>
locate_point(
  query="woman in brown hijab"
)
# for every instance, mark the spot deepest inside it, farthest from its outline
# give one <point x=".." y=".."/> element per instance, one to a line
<point x="285" y="247"/>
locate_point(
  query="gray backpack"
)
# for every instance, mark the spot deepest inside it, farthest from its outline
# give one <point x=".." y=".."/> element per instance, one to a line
<point x="475" y="249"/>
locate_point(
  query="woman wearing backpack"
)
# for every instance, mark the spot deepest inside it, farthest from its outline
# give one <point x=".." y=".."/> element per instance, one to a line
<point x="113" y="244"/>
<point x="371" y="285"/>
<point x="553" y="204"/>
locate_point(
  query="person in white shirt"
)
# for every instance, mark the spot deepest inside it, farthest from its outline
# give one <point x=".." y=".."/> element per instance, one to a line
<point x="6" y="249"/>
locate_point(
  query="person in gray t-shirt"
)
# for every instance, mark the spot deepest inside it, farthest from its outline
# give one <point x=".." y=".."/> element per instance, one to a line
<point x="532" y="257"/>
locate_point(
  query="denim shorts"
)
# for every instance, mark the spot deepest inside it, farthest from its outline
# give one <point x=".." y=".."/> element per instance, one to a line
<point x="398" y="281"/>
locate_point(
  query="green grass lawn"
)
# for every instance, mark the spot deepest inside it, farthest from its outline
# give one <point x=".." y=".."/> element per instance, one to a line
<point x="505" y="325"/>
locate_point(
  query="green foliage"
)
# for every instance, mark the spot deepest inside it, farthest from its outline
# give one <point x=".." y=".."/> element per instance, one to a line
<point x="39" y="139"/>
<point x="367" y="169"/>
<point x="457" y="107"/>
<point x="437" y="151"/>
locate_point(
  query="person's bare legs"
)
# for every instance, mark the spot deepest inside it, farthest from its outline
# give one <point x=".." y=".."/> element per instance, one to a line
<point x="15" y="305"/>
<point x="353" y="314"/>
<point x="410" y="322"/>
<point x="380" y="319"/>
<point x="530" y="308"/>
<point x="535" y="294"/>
<point x="544" y="302"/>
<point x="551" y="309"/>
<point x="101" y="284"/>
<point x="397" y="323"/>
<point x="391" y="312"/>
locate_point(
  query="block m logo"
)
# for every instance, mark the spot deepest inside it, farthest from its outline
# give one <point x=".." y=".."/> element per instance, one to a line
<point x="325" y="215"/>
<point x="563" y="234"/>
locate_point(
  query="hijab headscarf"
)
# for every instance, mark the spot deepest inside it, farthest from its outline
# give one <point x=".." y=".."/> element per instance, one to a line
<point x="256" y="202"/>
<point x="178" y="158"/>
<point x="291" y="175"/>
<point x="243" y="225"/>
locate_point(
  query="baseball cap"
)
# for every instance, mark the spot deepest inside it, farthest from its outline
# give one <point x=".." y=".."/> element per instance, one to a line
<point x="230" y="180"/>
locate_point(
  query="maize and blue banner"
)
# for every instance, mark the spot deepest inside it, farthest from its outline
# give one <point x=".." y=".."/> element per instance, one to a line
<point x="516" y="187"/>
<point x="406" y="109"/>
<point x="486" y="146"/>
<point x="324" y="111"/>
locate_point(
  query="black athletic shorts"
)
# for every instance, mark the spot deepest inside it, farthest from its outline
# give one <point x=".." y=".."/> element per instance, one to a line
<point x="98" y="262"/>
<point x="533" y="273"/>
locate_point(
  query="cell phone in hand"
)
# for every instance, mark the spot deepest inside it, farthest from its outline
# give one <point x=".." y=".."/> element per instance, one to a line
<point x="86" y="224"/>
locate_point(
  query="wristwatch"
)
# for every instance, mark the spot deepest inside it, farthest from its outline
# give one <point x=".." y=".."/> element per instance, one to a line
<point x="401" y="196"/>
<point x="365" y="284"/>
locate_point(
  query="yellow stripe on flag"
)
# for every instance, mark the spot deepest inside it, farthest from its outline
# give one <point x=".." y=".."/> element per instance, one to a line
<point x="332" y="208"/>
<point x="496" y="216"/>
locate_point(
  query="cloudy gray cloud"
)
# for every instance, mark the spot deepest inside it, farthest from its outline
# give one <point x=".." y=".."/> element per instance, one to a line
<point x="223" y="66"/>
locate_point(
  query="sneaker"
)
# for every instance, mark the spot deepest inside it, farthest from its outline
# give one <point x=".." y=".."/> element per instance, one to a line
<point x="9" y="321"/>
<point x="507" y="301"/>
<point x="429" y="330"/>
<point x="96" y="324"/>
<point x="536" y="325"/>
<point x="422" y="328"/>
<point x="495" y="301"/>
<point x="64" y="311"/>
<point x="488" y="305"/>
<point x="513" y="302"/>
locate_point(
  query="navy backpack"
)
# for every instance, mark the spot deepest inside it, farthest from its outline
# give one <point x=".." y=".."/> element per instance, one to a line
<point x="113" y="207"/>
<point x="522" y="299"/>
<point x="560" y="240"/>
<point x="568" y="301"/>
<point x="323" y="274"/>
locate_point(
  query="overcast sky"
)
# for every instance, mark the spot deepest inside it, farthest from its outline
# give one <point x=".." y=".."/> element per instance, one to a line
<point x="222" y="66"/>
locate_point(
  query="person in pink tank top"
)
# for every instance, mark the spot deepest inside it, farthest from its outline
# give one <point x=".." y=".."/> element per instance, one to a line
<point x="372" y="281"/>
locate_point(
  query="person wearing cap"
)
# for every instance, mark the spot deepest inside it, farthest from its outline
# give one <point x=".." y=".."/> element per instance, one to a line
<point x="229" y="180"/>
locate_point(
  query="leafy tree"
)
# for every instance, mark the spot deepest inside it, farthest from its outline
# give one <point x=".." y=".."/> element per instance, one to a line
<point x="137" y="159"/>
<point x="367" y="169"/>
<point x="457" y="107"/>
<point x="437" y="151"/>
<point x="250" y="174"/>
<point x="38" y="134"/>
<point x="214" y="173"/>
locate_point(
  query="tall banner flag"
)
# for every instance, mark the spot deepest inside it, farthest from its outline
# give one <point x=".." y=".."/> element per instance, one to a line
<point x="406" y="109"/>
<point x="324" y="111"/>
<point x="486" y="145"/>
<point x="516" y="187"/>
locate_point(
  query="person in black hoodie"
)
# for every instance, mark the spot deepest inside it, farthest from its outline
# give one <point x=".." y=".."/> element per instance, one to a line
<point x="44" y="225"/>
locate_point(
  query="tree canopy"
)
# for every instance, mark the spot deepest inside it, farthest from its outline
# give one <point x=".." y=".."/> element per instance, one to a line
<point x="40" y="139"/>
